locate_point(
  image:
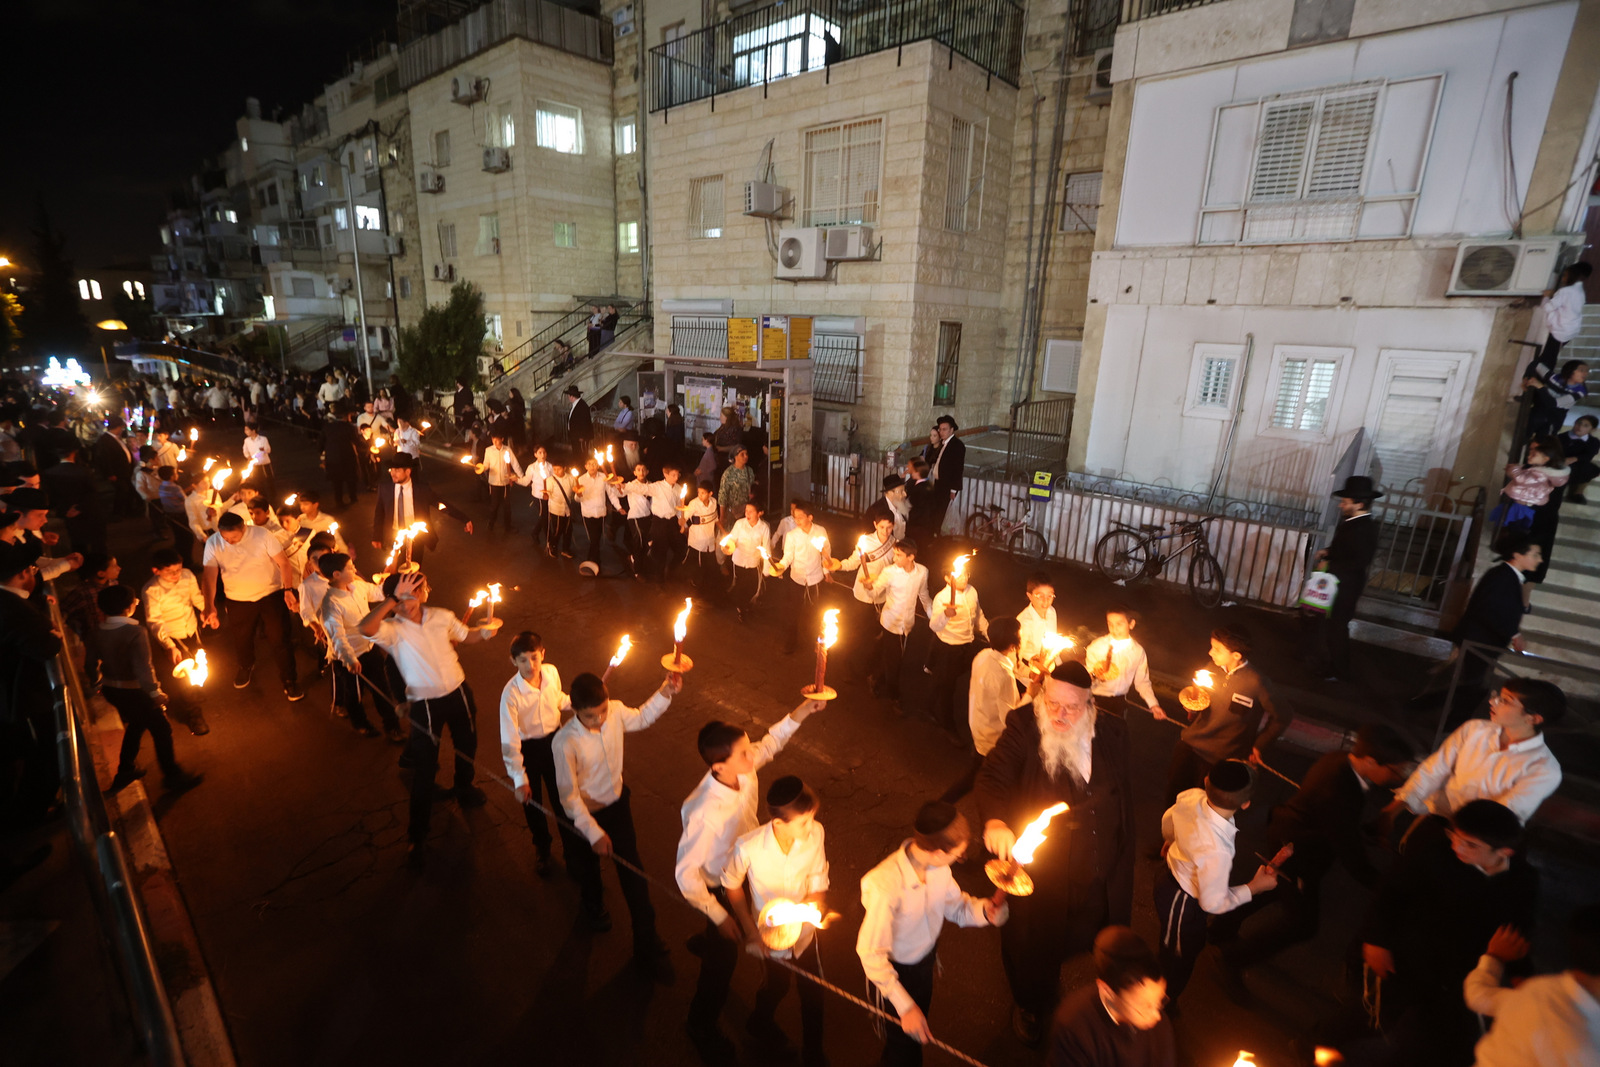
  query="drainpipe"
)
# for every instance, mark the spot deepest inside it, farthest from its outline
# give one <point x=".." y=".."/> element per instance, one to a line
<point x="1233" y="425"/>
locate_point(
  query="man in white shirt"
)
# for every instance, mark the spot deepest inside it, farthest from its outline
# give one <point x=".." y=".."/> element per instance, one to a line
<point x="356" y="659"/>
<point x="873" y="552"/>
<point x="530" y="715"/>
<point x="1117" y="664"/>
<point x="260" y="590"/>
<point x="423" y="642"/>
<point x="805" y="557"/>
<point x="328" y="394"/>
<point x="1502" y="758"/>
<point x="904" y="585"/>
<point x="1563" y="311"/>
<point x="588" y="759"/>
<point x="404" y="501"/>
<point x="907" y="899"/>
<point x="991" y="695"/>
<point x="1038" y="621"/>
<point x="744" y="544"/>
<point x="1551" y="1020"/>
<point x="406" y="438"/>
<point x="172" y="607"/>
<point x="258" y="450"/>
<point x="722" y="809"/>
<point x="957" y="620"/>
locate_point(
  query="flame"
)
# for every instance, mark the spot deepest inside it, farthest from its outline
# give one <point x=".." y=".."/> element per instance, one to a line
<point x="1203" y="679"/>
<point x="1327" y="1057"/>
<point x="494" y="593"/>
<point x="830" y="628"/>
<point x="441" y="507"/>
<point x="1033" y="836"/>
<point x="765" y="555"/>
<point x="681" y="626"/>
<point x="467" y="460"/>
<point x="507" y="457"/>
<point x="683" y="491"/>
<point x="194" y="668"/>
<point x="609" y="456"/>
<point x="210" y="460"/>
<point x="220" y="477"/>
<point x="289" y="500"/>
<point x="727" y="543"/>
<point x="1054" y="643"/>
<point x="958" y="569"/>
<point x="426" y="425"/>
<point x="194" y="435"/>
<point x="622" y="650"/>
<point x="183" y="454"/>
<point x="599" y="458"/>
<point x="1246" y="1059"/>
<point x="378" y="442"/>
<point x="863" y="543"/>
<point x="333" y="527"/>
<point x="479" y="598"/>
<point x="575" y="472"/>
<point x="818" y="541"/>
<point x="784" y="912"/>
<point x="249" y="469"/>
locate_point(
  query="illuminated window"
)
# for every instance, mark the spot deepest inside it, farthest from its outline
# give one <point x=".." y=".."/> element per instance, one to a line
<point x="368" y="218"/>
<point x="488" y="235"/>
<point x="627" y="237"/>
<point x="139" y="288"/>
<point x="559" y="127"/>
<point x="83" y="288"/>
<point x="705" y="207"/>
<point x="627" y="137"/>
<point x="341" y="218"/>
<point x="566" y="235"/>
<point x="447" y="239"/>
<point x="244" y="144"/>
<point x="127" y="287"/>
<point x="94" y="287"/>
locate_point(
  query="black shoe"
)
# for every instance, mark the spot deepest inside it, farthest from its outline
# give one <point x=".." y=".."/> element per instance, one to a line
<point x="599" y="922"/>
<point x="1026" y="1026"/>
<point x="470" y="796"/>
<point x="124" y="779"/>
<point x="241" y="680"/>
<point x="198" y="726"/>
<point x="417" y="856"/>
<point x="394" y="735"/>
<point x="545" y="866"/>
<point x="293" y="693"/>
<point x="366" y="730"/>
<point x="181" y="780"/>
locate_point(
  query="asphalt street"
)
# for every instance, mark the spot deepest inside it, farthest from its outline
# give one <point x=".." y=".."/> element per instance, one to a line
<point x="326" y="949"/>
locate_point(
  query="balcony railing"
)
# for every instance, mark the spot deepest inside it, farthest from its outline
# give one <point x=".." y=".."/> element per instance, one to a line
<point x="500" y="20"/>
<point x="1134" y="10"/>
<point x="787" y="39"/>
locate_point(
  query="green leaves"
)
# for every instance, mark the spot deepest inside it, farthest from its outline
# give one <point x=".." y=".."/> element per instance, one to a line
<point x="444" y="346"/>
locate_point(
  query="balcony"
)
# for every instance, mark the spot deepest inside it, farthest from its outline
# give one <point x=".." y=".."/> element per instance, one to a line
<point x="1134" y="10"/>
<point x="498" y="21"/>
<point x="787" y="39"/>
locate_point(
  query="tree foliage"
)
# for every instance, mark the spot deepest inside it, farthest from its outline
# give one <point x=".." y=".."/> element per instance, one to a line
<point x="52" y="319"/>
<point x="444" y="346"/>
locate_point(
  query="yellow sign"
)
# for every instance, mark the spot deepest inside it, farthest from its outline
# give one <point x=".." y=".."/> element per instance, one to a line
<point x="799" y="338"/>
<point x="743" y="337"/>
<point x="774" y="337"/>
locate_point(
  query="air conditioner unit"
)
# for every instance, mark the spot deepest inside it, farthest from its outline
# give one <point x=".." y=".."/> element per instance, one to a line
<point x="393" y="246"/>
<point x="763" y="200"/>
<point x="1504" y="268"/>
<point x="444" y="272"/>
<point x="800" y="254"/>
<point x="1100" y="81"/>
<point x="465" y="90"/>
<point x="430" y="181"/>
<point x="497" y="160"/>
<point x="848" y="242"/>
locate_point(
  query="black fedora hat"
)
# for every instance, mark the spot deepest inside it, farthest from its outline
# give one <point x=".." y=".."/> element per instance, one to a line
<point x="1359" y="487"/>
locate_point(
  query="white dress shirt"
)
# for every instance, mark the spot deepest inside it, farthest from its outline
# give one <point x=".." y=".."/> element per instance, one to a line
<point x="1471" y="766"/>
<point x="1035" y="629"/>
<point x="1548" y="1021"/>
<point x="257" y="450"/>
<point x="748" y="541"/>
<point x="904" y="916"/>
<point x="1563" y="312"/>
<point x="405" y="511"/>
<point x="774" y="874"/>
<point x="501" y="467"/>
<point x="958" y="629"/>
<point x="169" y="610"/>
<point x="715" y="816"/>
<point x="528" y="711"/>
<point x="903" y="590"/>
<point x="562" y="488"/>
<point x="991" y="694"/>
<point x="870" y="557"/>
<point x="425" y="652"/>
<point x="537" y="476"/>
<point x="313" y="589"/>
<point x="637" y="495"/>
<point x="701" y="517"/>
<point x="1201" y="854"/>
<point x="341" y="614"/>
<point x="1133" y="669"/>
<point x="199" y="515"/>
<point x="802" y="557"/>
<point x="323" y="523"/>
<point x="408" y="441"/>
<point x="589" y="762"/>
<point x="249" y="569"/>
<point x="592" y="494"/>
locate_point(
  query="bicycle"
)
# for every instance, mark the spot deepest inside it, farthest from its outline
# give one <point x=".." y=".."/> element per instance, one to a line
<point x="991" y="527"/>
<point x="1129" y="553"/>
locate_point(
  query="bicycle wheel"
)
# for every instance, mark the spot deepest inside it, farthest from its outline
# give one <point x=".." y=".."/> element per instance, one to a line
<point x="1026" y="544"/>
<point x="1205" y="579"/>
<point x="1121" y="555"/>
<point x="979" y="529"/>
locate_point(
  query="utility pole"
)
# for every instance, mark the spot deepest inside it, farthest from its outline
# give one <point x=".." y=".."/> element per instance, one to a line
<point x="355" y="256"/>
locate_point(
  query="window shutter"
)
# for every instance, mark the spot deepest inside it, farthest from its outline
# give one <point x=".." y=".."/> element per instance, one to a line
<point x="956" y="177"/>
<point x="1340" y="157"/>
<point x="1281" y="158"/>
<point x="1216" y="382"/>
<point x="1061" y="359"/>
<point x="1291" y="382"/>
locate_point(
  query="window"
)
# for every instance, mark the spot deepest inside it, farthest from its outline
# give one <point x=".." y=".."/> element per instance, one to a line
<point x="836" y="367"/>
<point x="83" y="289"/>
<point x="305" y="180"/>
<point x="566" y="235"/>
<point x="231" y="215"/>
<point x="963" y="185"/>
<point x="1080" y="204"/>
<point x="1216" y="382"/>
<point x="269" y="194"/>
<point x="705" y="207"/>
<point x="783" y="48"/>
<point x="319" y="177"/>
<point x="244" y="144"/>
<point x="1325" y="165"/>
<point x="385" y="86"/>
<point x="368" y="218"/>
<point x="1304" y="389"/>
<point x="627" y="137"/>
<point x="447" y="239"/>
<point x="559" y="127"/>
<point x="842" y="168"/>
<point x="405" y="286"/>
<point x="627" y="237"/>
<point x="502" y="129"/>
<point x="492" y="325"/>
<point x="341" y="218"/>
<point x="944" y="378"/>
<point x="441" y="148"/>
<point x="127" y="287"/>
<point x="397" y="222"/>
<point x="138" y="287"/>
<point x="302" y="287"/>
<point x="1061" y="359"/>
<point x="519" y="327"/>
<point x="488" y="235"/>
<point x="1213" y="381"/>
<point x="672" y="36"/>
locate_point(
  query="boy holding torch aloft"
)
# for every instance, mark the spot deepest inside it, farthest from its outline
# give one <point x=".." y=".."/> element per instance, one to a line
<point x="957" y="620"/>
<point x="874" y="551"/>
<point x="172" y="606"/>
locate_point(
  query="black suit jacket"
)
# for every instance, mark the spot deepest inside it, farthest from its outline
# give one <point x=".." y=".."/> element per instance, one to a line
<point x="1494" y="611"/>
<point x="70" y="485"/>
<point x="952" y="466"/>
<point x="1355" y="542"/>
<point x="1323" y="821"/>
<point x="924" y="507"/>
<point x="110" y="460"/>
<point x="26" y="644"/>
<point x="341" y="448"/>
<point x="1094" y="839"/>
<point x="426" y="507"/>
<point x="580" y="427"/>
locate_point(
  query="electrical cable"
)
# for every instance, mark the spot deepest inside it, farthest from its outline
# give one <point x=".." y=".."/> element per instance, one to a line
<point x="1511" y="160"/>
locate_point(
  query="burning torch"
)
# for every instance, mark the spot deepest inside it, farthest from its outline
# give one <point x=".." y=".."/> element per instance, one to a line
<point x="825" y="640"/>
<point x="1008" y="875"/>
<point x="676" y="661"/>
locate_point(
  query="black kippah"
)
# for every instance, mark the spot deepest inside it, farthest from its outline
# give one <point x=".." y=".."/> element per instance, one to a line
<point x="1073" y="673"/>
<point x="936" y="817"/>
<point x="784" y="791"/>
<point x="1231" y="776"/>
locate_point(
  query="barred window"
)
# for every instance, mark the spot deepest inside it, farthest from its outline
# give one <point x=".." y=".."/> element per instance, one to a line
<point x="944" y="379"/>
<point x="566" y="235"/>
<point x="1216" y="382"/>
<point x="1080" y="205"/>
<point x="447" y="239"/>
<point x="559" y="127"/>
<point x="705" y="207"/>
<point x="836" y="367"/>
<point x="1305" y="387"/>
<point x="843" y="173"/>
<point x="963" y="191"/>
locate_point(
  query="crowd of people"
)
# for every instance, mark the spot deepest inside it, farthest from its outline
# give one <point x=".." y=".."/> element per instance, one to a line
<point x="241" y="552"/>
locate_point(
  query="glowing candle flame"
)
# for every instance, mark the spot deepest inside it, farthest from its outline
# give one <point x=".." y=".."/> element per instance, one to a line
<point x="622" y="650"/>
<point x="194" y="435"/>
<point x="482" y="595"/>
<point x="1203" y="679"/>
<point x="467" y="460"/>
<point x="183" y="454"/>
<point x="958" y="569"/>
<point x="333" y="527"/>
<point x="599" y="458"/>
<point x="609" y="455"/>
<point x="1246" y="1059"/>
<point x="830" y="628"/>
<point x="427" y="425"/>
<point x="289" y="500"/>
<point x="377" y="443"/>
<point x="249" y="469"/>
<point x="727" y="543"/>
<point x="221" y="476"/>
<point x="210" y="461"/>
<point x="683" y="491"/>
<point x="1034" y="835"/>
<point x="818" y="541"/>
<point x="765" y="555"/>
<point x="506" y="455"/>
<point x="863" y="543"/>
<point x="680" y="628"/>
<point x="1053" y="643"/>
<point x="494" y="596"/>
<point x="784" y="912"/>
<point x="1327" y="1057"/>
<point x="194" y="669"/>
<point x="574" y="472"/>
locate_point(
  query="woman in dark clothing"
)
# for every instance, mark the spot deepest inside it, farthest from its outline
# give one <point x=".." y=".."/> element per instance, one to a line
<point x="608" y="324"/>
<point x="1546" y="516"/>
<point x="1581" y="446"/>
<point x="674" y="431"/>
<point x="517" y="412"/>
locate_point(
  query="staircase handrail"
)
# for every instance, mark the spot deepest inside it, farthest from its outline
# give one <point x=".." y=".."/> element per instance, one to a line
<point x="542" y="357"/>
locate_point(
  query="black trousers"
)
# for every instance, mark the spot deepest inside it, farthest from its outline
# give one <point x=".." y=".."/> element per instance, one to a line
<point x="184" y="701"/>
<point x="1187" y="770"/>
<point x="801" y="606"/>
<point x="1183" y="932"/>
<point x="891" y="655"/>
<point x="594" y="528"/>
<point x="141" y="715"/>
<point x="709" y="584"/>
<point x="270" y="614"/>
<point x="1291" y="915"/>
<point x="917" y="980"/>
<point x="1335" y="631"/>
<point x="560" y="534"/>
<point x="747" y="586"/>
<point x="1059" y="920"/>
<point x="666" y="547"/>
<point x="584" y="866"/>
<point x="429" y="720"/>
<point x="500" y="504"/>
<point x="860" y="631"/>
<point x="636" y="538"/>
<point x="719" y="958"/>
<point x="948" y="663"/>
<point x="775" y="982"/>
<point x="344" y="483"/>
<point x="348" y="689"/>
<point x="541" y="520"/>
<point x="539" y="763"/>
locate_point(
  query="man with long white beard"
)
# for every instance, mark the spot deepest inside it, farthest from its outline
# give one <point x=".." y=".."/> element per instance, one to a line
<point x="1058" y="750"/>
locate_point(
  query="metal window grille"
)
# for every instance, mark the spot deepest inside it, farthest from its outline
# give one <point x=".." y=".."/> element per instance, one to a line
<point x="488" y="235"/>
<point x="566" y="235"/>
<point x="706" y="207"/>
<point x="836" y="367"/>
<point x="1216" y="382"/>
<point x="944" y="379"/>
<point x="963" y="191"/>
<point x="1080" y="209"/>
<point x="843" y="167"/>
<point x="781" y="49"/>
<point x="700" y="336"/>
<point x="447" y="239"/>
<point x="405" y="287"/>
<point x="441" y="151"/>
<point x="559" y="127"/>
<point x="1304" y="388"/>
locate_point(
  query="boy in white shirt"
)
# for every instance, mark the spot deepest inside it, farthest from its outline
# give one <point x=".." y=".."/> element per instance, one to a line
<point x="750" y="534"/>
<point x="537" y="477"/>
<point x="957" y="620"/>
<point x="258" y="450"/>
<point x="907" y="899"/>
<point x="314" y="519"/>
<point x="873" y="552"/>
<point x="700" y="524"/>
<point x="992" y="693"/>
<point x="784" y="860"/>
<point x="1038" y="621"/>
<point x="594" y="502"/>
<point x="1117" y="664"/>
<point x="805" y="556"/>
<point x="407" y="439"/>
<point x="172" y="607"/>
<point x="530" y="715"/>
<point x="1197" y="844"/>
<point x="344" y="602"/>
<point x="904" y="584"/>
<point x="722" y="809"/>
<point x="637" y="536"/>
<point x="561" y="489"/>
<point x="501" y="468"/>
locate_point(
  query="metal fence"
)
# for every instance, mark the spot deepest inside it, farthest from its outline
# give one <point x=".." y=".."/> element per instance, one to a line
<point x="700" y="336"/>
<point x="836" y="367"/>
<point x="786" y="39"/>
<point x="1134" y="10"/>
<point x="1426" y="548"/>
<point x="1262" y="561"/>
<point x="500" y="20"/>
<point x="1039" y="432"/>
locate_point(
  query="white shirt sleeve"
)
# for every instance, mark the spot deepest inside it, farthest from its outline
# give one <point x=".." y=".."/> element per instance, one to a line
<point x="874" y="942"/>
<point x="1432" y="773"/>
<point x="1482" y="989"/>
<point x="571" y="799"/>
<point x="689" y="870"/>
<point x="511" y="739"/>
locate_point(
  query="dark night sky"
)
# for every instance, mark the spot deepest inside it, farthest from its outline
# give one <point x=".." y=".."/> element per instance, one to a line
<point x="111" y="105"/>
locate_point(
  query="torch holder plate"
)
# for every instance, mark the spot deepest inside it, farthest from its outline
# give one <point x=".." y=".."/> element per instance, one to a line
<point x="1009" y="877"/>
<point x="827" y="692"/>
<point x="1194" y="698"/>
<point x="677" y="664"/>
